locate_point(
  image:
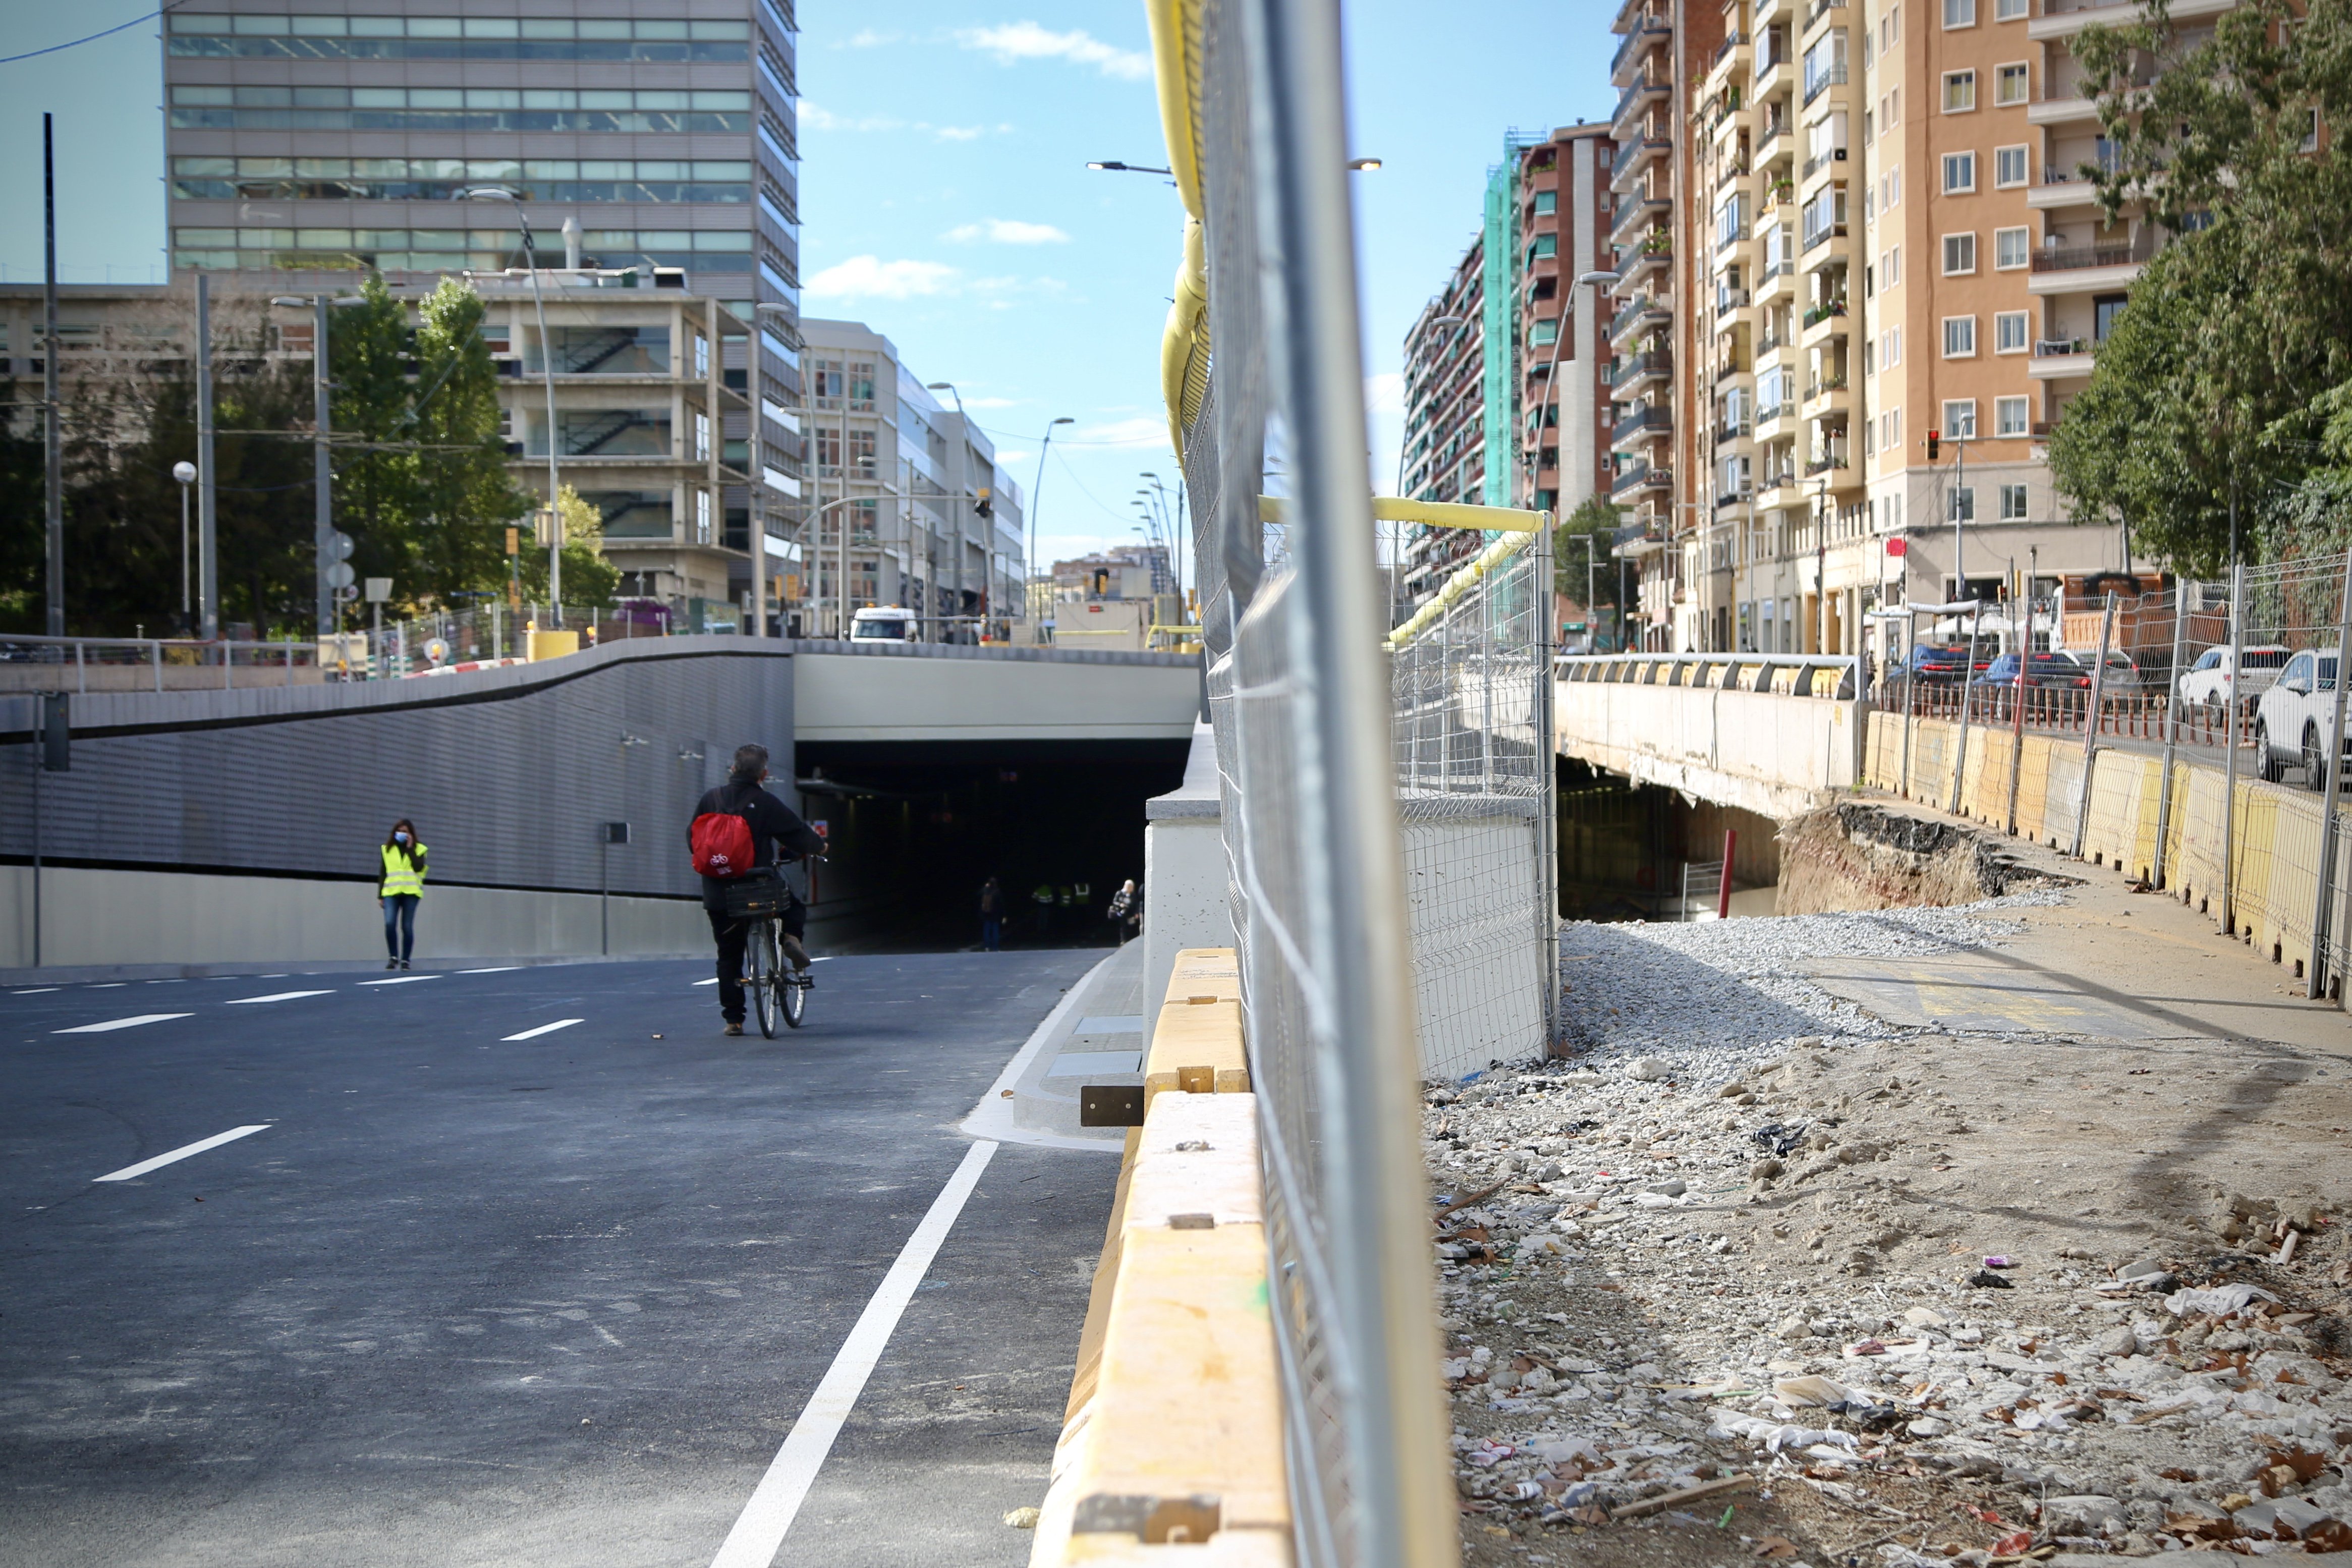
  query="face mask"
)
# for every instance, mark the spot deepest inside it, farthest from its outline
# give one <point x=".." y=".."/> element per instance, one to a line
<point x="400" y="838"/>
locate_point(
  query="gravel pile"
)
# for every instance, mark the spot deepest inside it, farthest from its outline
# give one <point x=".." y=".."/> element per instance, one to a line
<point x="1711" y="1293"/>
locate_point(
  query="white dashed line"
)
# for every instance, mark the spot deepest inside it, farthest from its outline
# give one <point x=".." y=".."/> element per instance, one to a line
<point x="182" y="1153"/>
<point x="395" y="980"/>
<point x="501" y="969"/>
<point x="545" y="1029"/>
<point x="712" y="981"/>
<point x="37" y="991"/>
<point x="131" y="1023"/>
<point x="276" y="997"/>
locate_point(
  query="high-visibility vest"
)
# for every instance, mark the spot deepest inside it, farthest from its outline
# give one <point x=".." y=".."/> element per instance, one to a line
<point x="399" y="875"/>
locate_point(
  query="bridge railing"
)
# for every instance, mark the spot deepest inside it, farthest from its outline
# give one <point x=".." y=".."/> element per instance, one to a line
<point x="1786" y="674"/>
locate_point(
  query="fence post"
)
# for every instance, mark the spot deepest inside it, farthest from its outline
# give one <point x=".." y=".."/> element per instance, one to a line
<point x="2172" y="727"/>
<point x="2091" y="724"/>
<point x="1547" y="766"/>
<point x="82" y="670"/>
<point x="1723" y="884"/>
<point x="2230" y="752"/>
<point x="1968" y="690"/>
<point x="155" y="655"/>
<point x="2016" y="713"/>
<point x="2313" y="977"/>
<point x="1910" y="640"/>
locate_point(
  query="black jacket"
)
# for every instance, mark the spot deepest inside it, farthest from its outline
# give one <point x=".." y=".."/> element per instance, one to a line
<point x="772" y="822"/>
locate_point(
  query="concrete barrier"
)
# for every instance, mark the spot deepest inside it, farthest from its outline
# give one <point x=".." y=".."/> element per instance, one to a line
<point x="1172" y="1437"/>
<point x="1767" y="752"/>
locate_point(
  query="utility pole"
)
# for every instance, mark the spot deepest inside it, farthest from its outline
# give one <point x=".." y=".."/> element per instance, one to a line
<point x="53" y="450"/>
<point x="1029" y="567"/>
<point x="207" y="472"/>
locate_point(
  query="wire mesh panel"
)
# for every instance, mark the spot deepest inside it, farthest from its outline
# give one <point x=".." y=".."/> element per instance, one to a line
<point x="1263" y="377"/>
<point x="1474" y="785"/>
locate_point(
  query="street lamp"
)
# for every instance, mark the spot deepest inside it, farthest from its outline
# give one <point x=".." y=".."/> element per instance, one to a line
<point x="185" y="472"/>
<point x="1172" y="515"/>
<point x="1363" y="165"/>
<point x="547" y="362"/>
<point x="963" y="483"/>
<point x="322" y="531"/>
<point x="1112" y="165"/>
<point x="1030" y="565"/>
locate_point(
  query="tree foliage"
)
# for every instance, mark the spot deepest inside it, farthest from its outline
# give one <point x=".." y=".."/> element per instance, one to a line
<point x="1582" y="565"/>
<point x="2207" y="389"/>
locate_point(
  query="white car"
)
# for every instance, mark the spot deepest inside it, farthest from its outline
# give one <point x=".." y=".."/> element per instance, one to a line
<point x="2293" y="716"/>
<point x="2211" y="678"/>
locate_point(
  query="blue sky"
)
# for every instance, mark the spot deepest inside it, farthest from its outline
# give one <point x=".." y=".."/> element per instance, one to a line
<point x="945" y="199"/>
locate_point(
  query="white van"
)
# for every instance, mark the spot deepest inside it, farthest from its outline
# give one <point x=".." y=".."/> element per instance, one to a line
<point x="884" y="623"/>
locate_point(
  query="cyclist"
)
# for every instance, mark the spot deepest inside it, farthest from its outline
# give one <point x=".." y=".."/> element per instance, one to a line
<point x="772" y="822"/>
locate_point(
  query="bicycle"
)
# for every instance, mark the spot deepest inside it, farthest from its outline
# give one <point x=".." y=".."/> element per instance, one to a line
<point x="774" y="989"/>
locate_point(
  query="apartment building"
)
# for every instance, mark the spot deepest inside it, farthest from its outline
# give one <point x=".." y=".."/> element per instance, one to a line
<point x="412" y="136"/>
<point x="907" y="505"/>
<point x="1656" y="332"/>
<point x="1445" y="444"/>
<point x="1566" y="425"/>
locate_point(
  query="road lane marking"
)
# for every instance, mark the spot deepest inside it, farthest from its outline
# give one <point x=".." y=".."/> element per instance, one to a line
<point x="545" y="1029"/>
<point x="37" y="991"/>
<point x="712" y="981"/>
<point x="501" y="969"/>
<point x="760" y="1530"/>
<point x="182" y="1152"/>
<point x="131" y="1023"/>
<point x="276" y="997"/>
<point x="395" y="980"/>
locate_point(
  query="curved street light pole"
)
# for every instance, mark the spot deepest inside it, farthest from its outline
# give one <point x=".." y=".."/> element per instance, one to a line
<point x="1029" y="567"/>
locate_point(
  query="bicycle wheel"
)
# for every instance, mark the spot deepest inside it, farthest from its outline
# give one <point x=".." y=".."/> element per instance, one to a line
<point x="760" y="957"/>
<point x="794" y="990"/>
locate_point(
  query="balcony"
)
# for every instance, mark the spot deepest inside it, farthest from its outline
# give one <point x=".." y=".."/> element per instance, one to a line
<point x="1732" y="43"/>
<point x="1773" y="142"/>
<point x="1819" y="9"/>
<point x="1820" y="83"/>
<point x="1640" y="479"/>
<point x="1642" y="315"/>
<point x="1636" y="213"/>
<point x="1815" y="239"/>
<point x="2064" y="106"/>
<point x="1828" y="462"/>
<point x="1651" y="420"/>
<point x="1646" y="35"/>
<point x="1641" y="370"/>
<point x="2089" y="265"/>
<point x="1820" y="160"/>
<point x="1635" y="263"/>
<point x="1828" y="312"/>
<point x="1734" y="430"/>
<point x="2057" y="359"/>
<point x="1633" y="102"/>
<point x="2063" y="18"/>
<point x="1634" y="156"/>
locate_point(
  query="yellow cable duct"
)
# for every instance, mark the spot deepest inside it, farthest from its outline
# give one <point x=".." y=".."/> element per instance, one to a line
<point x="1185" y="342"/>
<point x="1461" y="582"/>
<point x="1434" y="513"/>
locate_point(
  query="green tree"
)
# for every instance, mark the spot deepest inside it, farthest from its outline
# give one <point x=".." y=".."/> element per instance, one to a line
<point x="588" y="577"/>
<point x="2206" y="391"/>
<point x="1586" y="536"/>
<point x="463" y="496"/>
<point x="376" y="468"/>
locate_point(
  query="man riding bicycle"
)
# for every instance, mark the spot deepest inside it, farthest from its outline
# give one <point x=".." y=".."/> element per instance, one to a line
<point x="772" y="822"/>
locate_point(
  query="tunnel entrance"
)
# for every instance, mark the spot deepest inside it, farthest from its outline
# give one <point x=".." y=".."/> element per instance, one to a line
<point x="1623" y="846"/>
<point x="915" y="827"/>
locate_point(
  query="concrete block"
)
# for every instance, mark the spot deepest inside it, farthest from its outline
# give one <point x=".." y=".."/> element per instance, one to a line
<point x="1196" y="1162"/>
<point x="1197" y="1047"/>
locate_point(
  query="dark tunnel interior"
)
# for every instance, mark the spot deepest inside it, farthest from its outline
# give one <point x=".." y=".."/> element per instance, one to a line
<point x="915" y="827"/>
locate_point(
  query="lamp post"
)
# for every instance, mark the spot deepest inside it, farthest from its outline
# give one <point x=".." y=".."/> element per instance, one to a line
<point x="1602" y="280"/>
<point x="547" y="364"/>
<point x="1171" y="518"/>
<point x="322" y="531"/>
<point x="185" y="472"/>
<point x="1029" y="567"/>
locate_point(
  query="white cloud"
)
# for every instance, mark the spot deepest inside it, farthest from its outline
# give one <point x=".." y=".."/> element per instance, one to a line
<point x="1007" y="231"/>
<point x="1014" y="41"/>
<point x="960" y="132"/>
<point x="867" y="38"/>
<point x="871" y="278"/>
<point x="816" y="117"/>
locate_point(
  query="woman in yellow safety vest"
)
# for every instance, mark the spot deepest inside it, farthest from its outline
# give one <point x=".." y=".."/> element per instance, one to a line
<point x="398" y="890"/>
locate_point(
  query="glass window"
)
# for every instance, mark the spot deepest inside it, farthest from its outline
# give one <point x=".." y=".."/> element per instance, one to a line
<point x="2012" y="500"/>
<point x="2008" y="331"/>
<point x="1960" y="502"/>
<point x="2104" y="311"/>
<point x="1960" y="13"/>
<point x="2009" y="84"/>
<point x="1547" y="202"/>
<point x="1960" y="419"/>
<point x="2009" y="166"/>
<point x="2010" y="416"/>
<point x="2008" y="10"/>
<point x="1960" y="91"/>
<point x="2012" y="248"/>
<point x="1959" y="254"/>
<point x="1959" y="337"/>
<point x="1959" y="172"/>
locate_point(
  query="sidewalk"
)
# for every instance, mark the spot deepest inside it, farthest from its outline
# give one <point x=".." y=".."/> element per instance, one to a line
<point x="1095" y="1035"/>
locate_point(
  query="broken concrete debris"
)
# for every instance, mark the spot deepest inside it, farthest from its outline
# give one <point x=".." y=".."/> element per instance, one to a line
<point x="1833" y="1294"/>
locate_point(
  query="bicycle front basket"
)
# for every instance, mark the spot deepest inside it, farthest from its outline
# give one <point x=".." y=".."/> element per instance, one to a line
<point x="756" y="897"/>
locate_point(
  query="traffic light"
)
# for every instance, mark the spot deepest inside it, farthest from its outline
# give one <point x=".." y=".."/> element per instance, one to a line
<point x="985" y="505"/>
<point x="1935" y="443"/>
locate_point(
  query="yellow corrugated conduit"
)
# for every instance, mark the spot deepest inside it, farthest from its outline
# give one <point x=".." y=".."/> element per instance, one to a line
<point x="1184" y="344"/>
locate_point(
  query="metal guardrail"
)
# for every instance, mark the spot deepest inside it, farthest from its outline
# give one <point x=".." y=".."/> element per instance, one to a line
<point x="24" y="658"/>
<point x="1781" y="674"/>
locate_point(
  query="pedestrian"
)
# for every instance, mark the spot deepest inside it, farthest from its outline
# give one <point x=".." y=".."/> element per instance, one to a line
<point x="991" y="915"/>
<point x="1044" y="898"/>
<point x="771" y="822"/>
<point x="400" y="886"/>
<point x="1121" y="903"/>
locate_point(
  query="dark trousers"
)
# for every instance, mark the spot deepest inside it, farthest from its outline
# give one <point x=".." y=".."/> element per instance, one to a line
<point x="992" y="933"/>
<point x="400" y="926"/>
<point x="733" y="937"/>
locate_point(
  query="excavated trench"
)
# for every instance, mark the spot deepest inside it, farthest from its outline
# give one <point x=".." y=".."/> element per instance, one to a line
<point x="1854" y="857"/>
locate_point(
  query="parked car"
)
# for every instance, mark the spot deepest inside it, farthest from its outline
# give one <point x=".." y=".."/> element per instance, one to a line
<point x="1946" y="661"/>
<point x="2298" y="709"/>
<point x="2122" y="675"/>
<point x="2053" y="669"/>
<point x="2211" y="679"/>
<point x="884" y="623"/>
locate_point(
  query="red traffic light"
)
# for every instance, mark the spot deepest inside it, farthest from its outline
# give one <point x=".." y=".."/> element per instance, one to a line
<point x="1935" y="443"/>
<point x="1897" y="545"/>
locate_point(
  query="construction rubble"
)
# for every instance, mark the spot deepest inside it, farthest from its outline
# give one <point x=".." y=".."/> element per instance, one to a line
<point x="1751" y="1275"/>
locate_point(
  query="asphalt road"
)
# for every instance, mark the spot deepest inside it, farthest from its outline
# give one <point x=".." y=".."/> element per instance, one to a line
<point x="468" y="1299"/>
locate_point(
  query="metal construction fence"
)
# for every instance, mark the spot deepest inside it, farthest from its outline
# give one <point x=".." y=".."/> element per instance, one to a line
<point x="1292" y="618"/>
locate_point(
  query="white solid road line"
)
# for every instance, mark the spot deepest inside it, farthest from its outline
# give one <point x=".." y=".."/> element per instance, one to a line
<point x="501" y="969"/>
<point x="182" y="1152"/>
<point x="276" y="997"/>
<point x="37" y="991"/>
<point x="761" y="1528"/>
<point x="546" y="1029"/>
<point x="394" y="980"/>
<point x="130" y="1022"/>
<point x="712" y="981"/>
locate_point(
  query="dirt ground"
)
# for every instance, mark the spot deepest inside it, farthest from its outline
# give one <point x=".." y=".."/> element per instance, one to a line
<point x="2038" y="1247"/>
